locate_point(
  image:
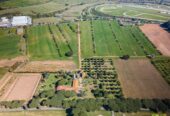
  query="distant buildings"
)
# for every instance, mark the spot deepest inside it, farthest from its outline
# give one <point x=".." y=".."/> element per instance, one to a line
<point x="15" y="21"/>
<point x="4" y="22"/>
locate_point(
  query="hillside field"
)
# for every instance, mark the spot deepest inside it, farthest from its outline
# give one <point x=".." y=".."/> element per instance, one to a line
<point x="108" y="38"/>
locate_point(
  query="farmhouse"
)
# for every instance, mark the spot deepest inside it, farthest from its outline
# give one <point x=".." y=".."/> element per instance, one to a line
<point x="21" y="21"/>
<point x="5" y="22"/>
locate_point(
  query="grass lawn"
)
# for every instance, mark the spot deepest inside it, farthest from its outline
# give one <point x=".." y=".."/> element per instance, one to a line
<point x="141" y="114"/>
<point x="34" y="113"/>
<point x="9" y="43"/>
<point x="133" y="11"/>
<point x="2" y="72"/>
<point x="111" y="39"/>
<point x="101" y="113"/>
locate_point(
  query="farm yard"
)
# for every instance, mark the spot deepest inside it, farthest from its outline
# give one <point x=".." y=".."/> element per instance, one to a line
<point x="9" y="43"/>
<point x="140" y="79"/>
<point x="155" y="33"/>
<point x="136" y="11"/>
<point x="108" y="38"/>
<point x="22" y="87"/>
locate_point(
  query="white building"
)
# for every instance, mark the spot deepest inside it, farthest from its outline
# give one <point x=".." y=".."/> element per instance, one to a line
<point x="4" y="22"/>
<point x="21" y="21"/>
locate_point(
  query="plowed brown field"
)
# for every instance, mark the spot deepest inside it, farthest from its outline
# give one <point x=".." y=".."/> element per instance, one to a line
<point x="140" y="79"/>
<point x="158" y="36"/>
<point x="22" y="88"/>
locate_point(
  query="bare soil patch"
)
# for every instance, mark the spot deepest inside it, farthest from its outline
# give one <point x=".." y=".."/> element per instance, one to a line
<point x="140" y="79"/>
<point x="158" y="36"/>
<point x="11" y="62"/>
<point x="22" y="87"/>
<point x="46" y="66"/>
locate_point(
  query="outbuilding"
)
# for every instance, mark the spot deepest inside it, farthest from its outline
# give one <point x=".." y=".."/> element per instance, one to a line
<point x="21" y="21"/>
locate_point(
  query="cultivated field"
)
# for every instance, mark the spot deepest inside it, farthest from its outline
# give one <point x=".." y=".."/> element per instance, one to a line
<point x="136" y="11"/>
<point x="9" y="43"/>
<point x="22" y="88"/>
<point x="108" y="38"/>
<point x="163" y="65"/>
<point x="158" y="36"/>
<point x="46" y="66"/>
<point x="51" y="42"/>
<point x="140" y="79"/>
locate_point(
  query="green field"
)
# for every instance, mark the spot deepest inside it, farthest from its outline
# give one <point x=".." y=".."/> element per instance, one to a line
<point x="42" y="45"/>
<point x="2" y="72"/>
<point x="9" y="43"/>
<point x="163" y="65"/>
<point x="35" y="113"/>
<point x="108" y="38"/>
<point x="133" y="11"/>
<point x="34" y="7"/>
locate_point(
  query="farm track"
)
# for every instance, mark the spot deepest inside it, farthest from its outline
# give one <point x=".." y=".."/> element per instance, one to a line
<point x="79" y="45"/>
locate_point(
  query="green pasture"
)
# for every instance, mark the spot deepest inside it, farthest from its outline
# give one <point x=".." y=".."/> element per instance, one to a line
<point x="9" y="43"/>
<point x="41" y="45"/>
<point x="133" y="11"/>
<point x="111" y="39"/>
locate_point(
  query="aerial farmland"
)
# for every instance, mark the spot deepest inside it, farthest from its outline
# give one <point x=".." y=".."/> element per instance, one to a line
<point x="84" y="58"/>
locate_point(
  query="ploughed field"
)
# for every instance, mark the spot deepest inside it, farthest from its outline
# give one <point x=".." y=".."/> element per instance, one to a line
<point x="20" y="87"/>
<point x="108" y="38"/>
<point x="140" y="79"/>
<point x="158" y="36"/>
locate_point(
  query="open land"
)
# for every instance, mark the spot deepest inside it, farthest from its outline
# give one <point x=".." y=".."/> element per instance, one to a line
<point x="33" y="7"/>
<point x="136" y="11"/>
<point x="158" y="36"/>
<point x="46" y="66"/>
<point x="22" y="88"/>
<point x="53" y="41"/>
<point x="35" y="113"/>
<point x="108" y="38"/>
<point x="140" y="79"/>
<point x="9" y="43"/>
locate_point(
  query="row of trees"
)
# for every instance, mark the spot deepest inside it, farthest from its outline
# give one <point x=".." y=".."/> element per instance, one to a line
<point x="11" y="104"/>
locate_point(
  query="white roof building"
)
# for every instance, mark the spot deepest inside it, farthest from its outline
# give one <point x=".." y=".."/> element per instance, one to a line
<point x="21" y="21"/>
<point x="4" y="22"/>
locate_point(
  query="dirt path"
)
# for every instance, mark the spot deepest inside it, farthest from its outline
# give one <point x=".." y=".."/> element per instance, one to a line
<point x="79" y="45"/>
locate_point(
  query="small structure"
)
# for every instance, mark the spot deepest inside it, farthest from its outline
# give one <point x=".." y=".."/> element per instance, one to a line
<point x="5" y="22"/>
<point x="21" y="21"/>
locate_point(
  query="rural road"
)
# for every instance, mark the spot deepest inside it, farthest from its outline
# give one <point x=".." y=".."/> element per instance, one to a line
<point x="79" y="45"/>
